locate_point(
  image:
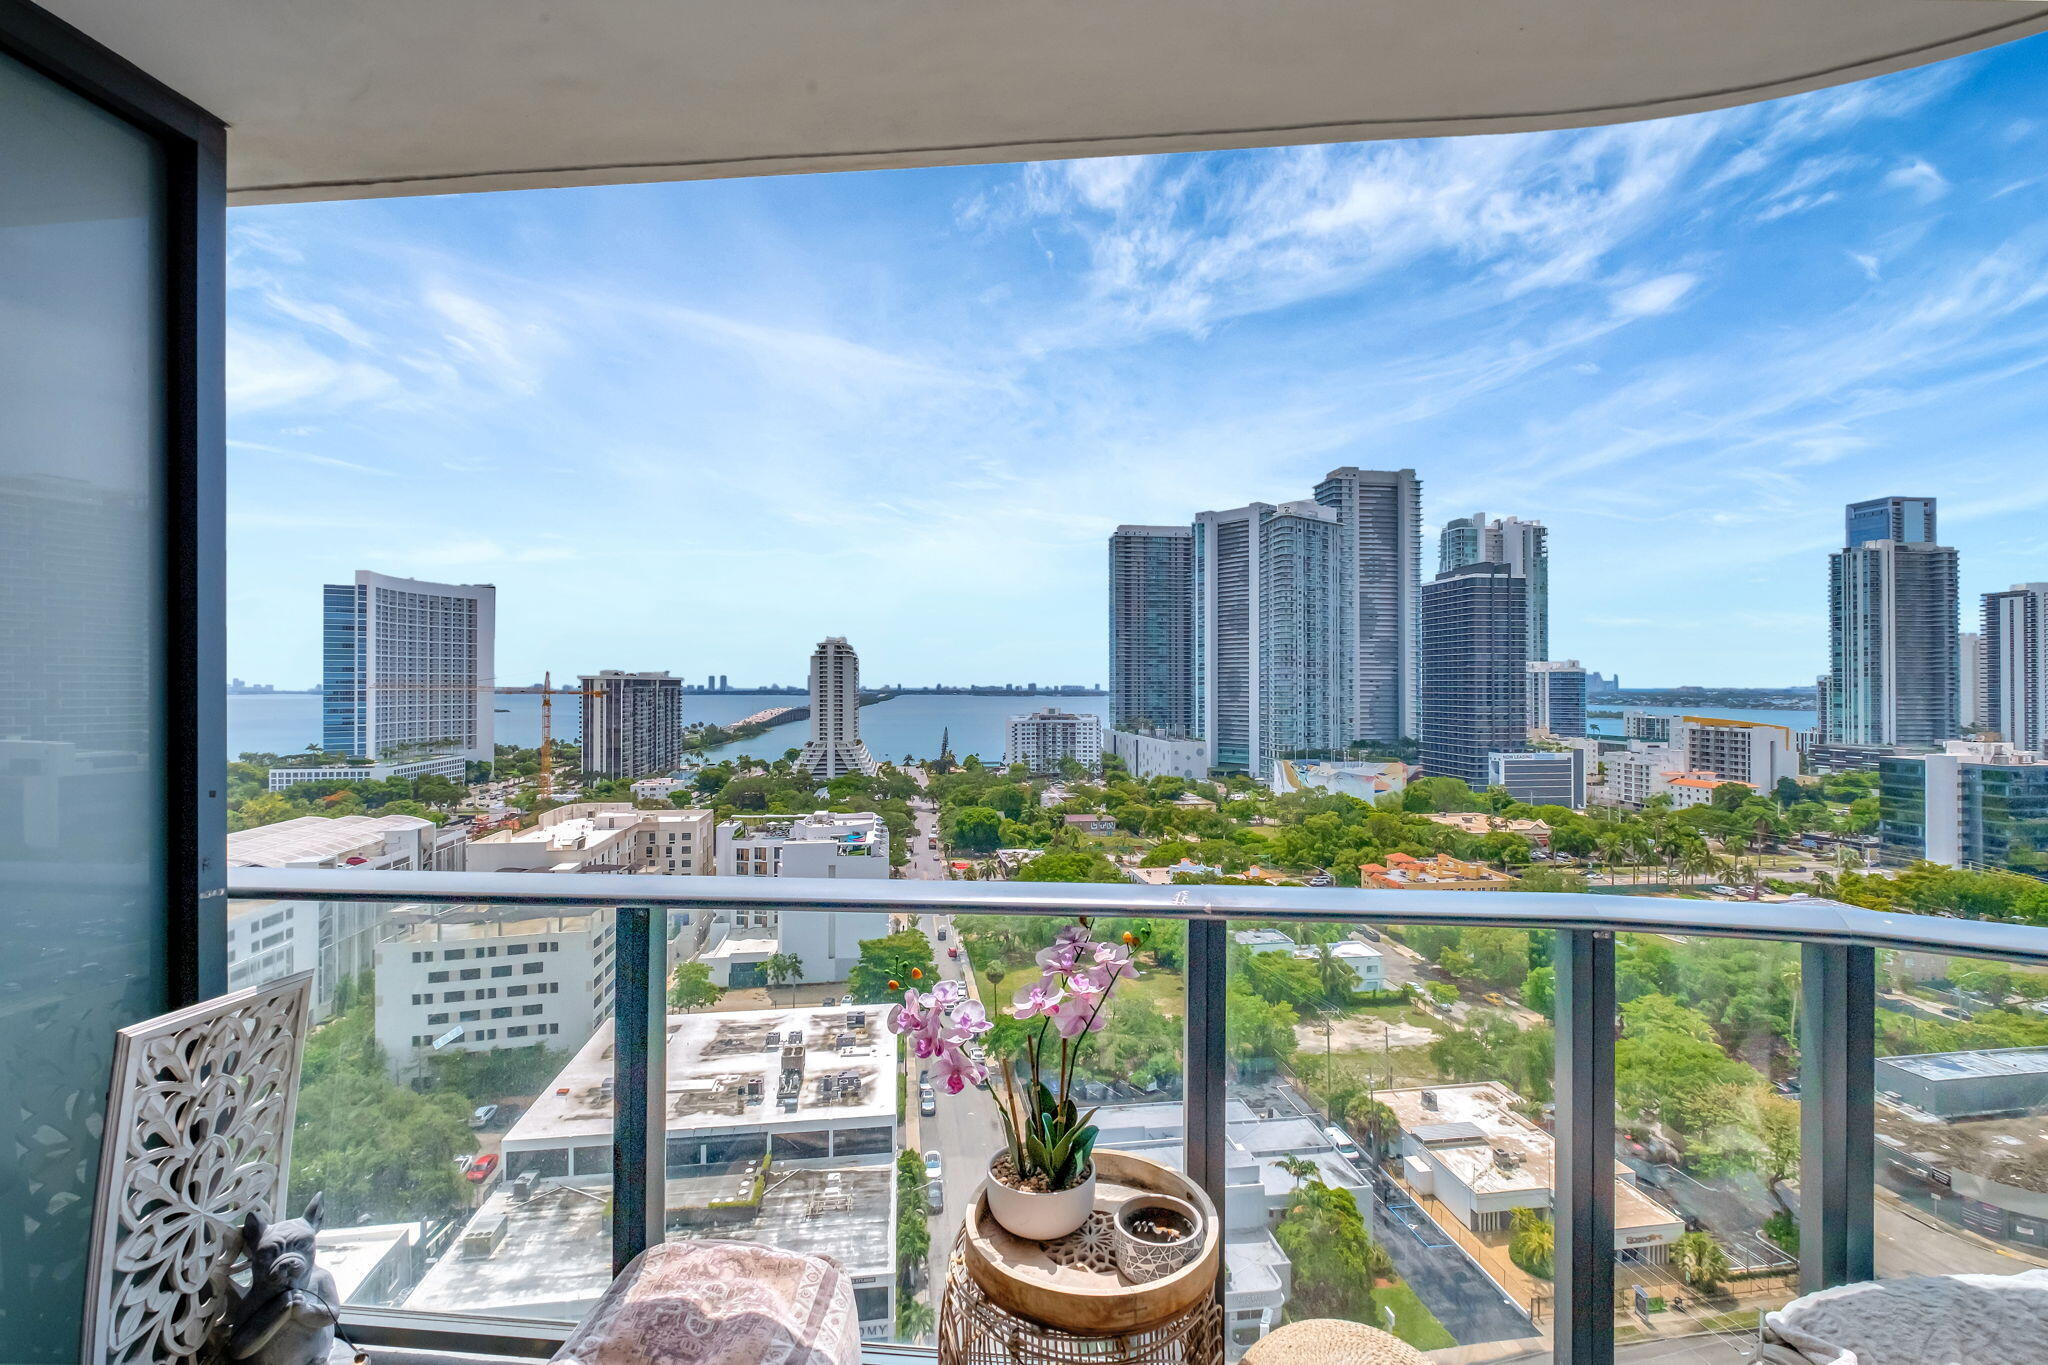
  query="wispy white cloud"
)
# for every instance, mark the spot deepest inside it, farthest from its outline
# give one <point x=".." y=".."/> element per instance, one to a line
<point x="1917" y="177"/>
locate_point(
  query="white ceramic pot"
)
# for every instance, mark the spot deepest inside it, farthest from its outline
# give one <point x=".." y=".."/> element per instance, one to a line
<point x="1039" y="1217"/>
<point x="1141" y="1260"/>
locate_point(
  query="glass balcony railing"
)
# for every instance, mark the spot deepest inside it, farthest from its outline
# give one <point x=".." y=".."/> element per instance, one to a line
<point x="1531" y="1126"/>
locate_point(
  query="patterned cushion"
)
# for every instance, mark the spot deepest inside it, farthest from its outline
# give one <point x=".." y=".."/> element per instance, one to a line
<point x="721" y="1303"/>
<point x="1331" y="1341"/>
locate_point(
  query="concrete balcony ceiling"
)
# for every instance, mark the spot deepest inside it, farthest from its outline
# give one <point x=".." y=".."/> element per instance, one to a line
<point x="338" y="99"/>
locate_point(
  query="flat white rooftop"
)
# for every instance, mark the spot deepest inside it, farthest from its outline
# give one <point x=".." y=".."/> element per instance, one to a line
<point x="1956" y="1066"/>
<point x="311" y="837"/>
<point x="712" y="1058"/>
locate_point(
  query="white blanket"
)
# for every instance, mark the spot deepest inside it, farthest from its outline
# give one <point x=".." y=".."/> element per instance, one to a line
<point x="1925" y="1320"/>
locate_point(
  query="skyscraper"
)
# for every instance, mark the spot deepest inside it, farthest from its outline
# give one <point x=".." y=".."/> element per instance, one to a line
<point x="1557" y="697"/>
<point x="1524" y="546"/>
<point x="407" y="667"/>
<point x="1970" y="689"/>
<point x="2014" y="653"/>
<point x="1475" y="650"/>
<point x="1152" y="629"/>
<point x="1910" y="521"/>
<point x="1268" y="632"/>
<point x="834" y="748"/>
<point x="1379" y="580"/>
<point x="632" y="724"/>
<point x="1893" y="660"/>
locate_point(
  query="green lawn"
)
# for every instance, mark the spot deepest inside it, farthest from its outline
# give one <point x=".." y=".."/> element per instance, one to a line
<point x="1413" y="1322"/>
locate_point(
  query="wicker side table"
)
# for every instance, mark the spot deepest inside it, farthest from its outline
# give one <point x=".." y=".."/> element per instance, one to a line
<point x="974" y="1330"/>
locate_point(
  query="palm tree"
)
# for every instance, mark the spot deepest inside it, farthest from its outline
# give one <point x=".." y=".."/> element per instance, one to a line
<point x="783" y="967"/>
<point x="914" y="1321"/>
<point x="1298" y="1167"/>
<point x="1334" y="974"/>
<point x="1699" y="1261"/>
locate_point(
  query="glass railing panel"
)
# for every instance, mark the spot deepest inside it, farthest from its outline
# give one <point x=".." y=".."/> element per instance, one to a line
<point x="456" y="1107"/>
<point x="1383" y="1114"/>
<point x="1707" y="1137"/>
<point x="1961" y="1116"/>
<point x="796" y="1118"/>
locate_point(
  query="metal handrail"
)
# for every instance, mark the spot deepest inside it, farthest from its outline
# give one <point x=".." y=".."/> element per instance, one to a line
<point x="1807" y="921"/>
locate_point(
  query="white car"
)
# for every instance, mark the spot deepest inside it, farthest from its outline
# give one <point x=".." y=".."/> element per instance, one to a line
<point x="1341" y="1140"/>
<point x="933" y="1170"/>
<point x="927" y="1101"/>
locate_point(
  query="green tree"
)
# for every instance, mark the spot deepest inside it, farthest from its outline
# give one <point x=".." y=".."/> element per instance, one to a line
<point x="693" y="988"/>
<point x="1335" y="1259"/>
<point x="1299" y="1168"/>
<point x="1699" y="1261"/>
<point x="781" y="968"/>
<point x="914" y="1321"/>
<point x="977" y="829"/>
<point x="1533" y="1243"/>
<point x="1070" y="865"/>
<point x="904" y="957"/>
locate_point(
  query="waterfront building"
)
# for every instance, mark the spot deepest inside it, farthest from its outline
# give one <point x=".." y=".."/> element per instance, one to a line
<point x="1524" y="546"/>
<point x="1474" y="670"/>
<point x="451" y="766"/>
<point x="1557" y="698"/>
<point x="2014" y="656"/>
<point x="480" y="978"/>
<point x="1152" y="630"/>
<point x="834" y="748"/>
<point x="1043" y="740"/>
<point x="737" y="942"/>
<point x="1646" y="726"/>
<point x="1267" y="631"/>
<point x="1379" y="587"/>
<point x="1975" y="804"/>
<point x="632" y="723"/>
<point x="1540" y="777"/>
<point x="407" y="667"/>
<point x="1894" y="664"/>
<point x="1736" y="750"/>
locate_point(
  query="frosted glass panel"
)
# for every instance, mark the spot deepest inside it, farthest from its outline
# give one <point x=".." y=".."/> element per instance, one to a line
<point x="82" y="799"/>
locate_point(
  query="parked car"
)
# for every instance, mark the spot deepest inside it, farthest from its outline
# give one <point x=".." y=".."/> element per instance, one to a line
<point x="934" y="1196"/>
<point x="942" y="933"/>
<point x="1494" y="998"/>
<point x="480" y="1170"/>
<point x="953" y="952"/>
<point x="927" y="1101"/>
<point x="933" y="1169"/>
<point x="463" y="1163"/>
<point x="1341" y="1140"/>
<point x="484" y="1116"/>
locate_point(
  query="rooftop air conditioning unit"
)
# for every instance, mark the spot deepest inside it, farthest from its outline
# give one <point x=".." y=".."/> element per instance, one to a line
<point x="1429" y="1099"/>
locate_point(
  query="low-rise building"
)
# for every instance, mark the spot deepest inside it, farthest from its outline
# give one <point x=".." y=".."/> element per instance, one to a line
<point x="1045" y="740"/>
<point x="1996" y="1082"/>
<point x="451" y="766"/>
<point x="1480" y="822"/>
<point x="1467" y="1147"/>
<point x="1736" y="750"/>
<point x="1646" y="726"/>
<point x="1440" y="872"/>
<point x="1368" y="781"/>
<point x="335" y="940"/>
<point x="478" y="978"/>
<point x="1540" y="777"/>
<point x="736" y="943"/>
<point x="781" y="1130"/>
<point x="601" y="836"/>
<point x="1975" y="804"/>
<point x="1149" y="756"/>
<point x="661" y="788"/>
<point x="1689" y="789"/>
<point x="1092" y="822"/>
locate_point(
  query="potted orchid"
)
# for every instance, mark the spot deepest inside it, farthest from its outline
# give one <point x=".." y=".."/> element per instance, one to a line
<point x="1041" y="1185"/>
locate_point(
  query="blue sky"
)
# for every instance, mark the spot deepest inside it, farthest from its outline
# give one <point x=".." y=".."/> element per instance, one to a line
<point x="699" y="426"/>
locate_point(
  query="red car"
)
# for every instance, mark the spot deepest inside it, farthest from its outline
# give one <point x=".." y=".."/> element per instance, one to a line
<point x="953" y="952"/>
<point x="481" y="1169"/>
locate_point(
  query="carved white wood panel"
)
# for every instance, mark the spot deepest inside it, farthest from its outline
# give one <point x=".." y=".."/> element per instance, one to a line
<point x="199" y="1131"/>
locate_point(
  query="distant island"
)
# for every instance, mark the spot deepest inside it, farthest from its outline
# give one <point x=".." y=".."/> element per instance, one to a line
<point x="1737" y="698"/>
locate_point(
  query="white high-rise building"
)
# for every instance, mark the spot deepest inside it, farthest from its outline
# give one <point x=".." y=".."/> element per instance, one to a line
<point x="2014" y="683"/>
<point x="1970" y="650"/>
<point x="737" y="941"/>
<point x="1736" y="750"/>
<point x="407" y="667"/>
<point x="834" y="748"/>
<point x="632" y="723"/>
<point x="1557" y="698"/>
<point x="1042" y="740"/>
<point x="1379" y="593"/>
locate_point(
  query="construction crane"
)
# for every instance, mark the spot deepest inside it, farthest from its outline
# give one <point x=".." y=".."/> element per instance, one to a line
<point x="544" y="787"/>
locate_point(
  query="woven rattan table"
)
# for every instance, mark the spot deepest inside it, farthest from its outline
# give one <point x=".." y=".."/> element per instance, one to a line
<point x="1013" y="1302"/>
<point x="974" y="1330"/>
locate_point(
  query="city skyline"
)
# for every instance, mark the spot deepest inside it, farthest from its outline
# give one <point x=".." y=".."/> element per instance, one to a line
<point x="1703" y="334"/>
